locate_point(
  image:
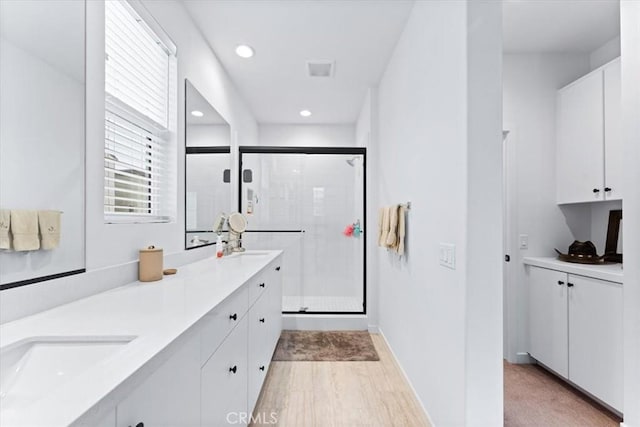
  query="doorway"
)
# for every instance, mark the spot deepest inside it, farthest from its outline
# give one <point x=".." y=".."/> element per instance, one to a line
<point x="310" y="202"/>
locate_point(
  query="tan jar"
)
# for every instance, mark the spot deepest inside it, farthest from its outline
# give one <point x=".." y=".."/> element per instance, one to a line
<point x="150" y="266"/>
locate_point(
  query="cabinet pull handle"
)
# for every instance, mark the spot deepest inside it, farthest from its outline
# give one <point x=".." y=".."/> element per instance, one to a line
<point x="234" y="316"/>
<point x="261" y="368"/>
<point x="262" y="320"/>
<point x="261" y="285"/>
<point x="560" y="282"/>
<point x="607" y="189"/>
<point x="570" y="285"/>
<point x="278" y="268"/>
<point x="596" y="190"/>
<point x="140" y="425"/>
<point x="233" y="369"/>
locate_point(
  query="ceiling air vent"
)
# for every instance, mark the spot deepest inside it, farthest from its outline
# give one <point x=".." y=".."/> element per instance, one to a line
<point x="320" y="68"/>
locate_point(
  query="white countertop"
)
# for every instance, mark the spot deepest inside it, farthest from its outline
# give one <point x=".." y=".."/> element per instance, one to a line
<point x="609" y="272"/>
<point x="157" y="313"/>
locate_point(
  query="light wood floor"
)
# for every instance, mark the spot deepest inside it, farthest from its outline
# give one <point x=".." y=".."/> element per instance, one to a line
<point x="349" y="394"/>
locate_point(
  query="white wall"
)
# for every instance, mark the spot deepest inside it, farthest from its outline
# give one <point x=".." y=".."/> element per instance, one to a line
<point x="530" y="82"/>
<point x="605" y="53"/>
<point x="289" y="135"/>
<point x="366" y="136"/>
<point x="428" y="100"/>
<point x="630" y="16"/>
<point x="112" y="250"/>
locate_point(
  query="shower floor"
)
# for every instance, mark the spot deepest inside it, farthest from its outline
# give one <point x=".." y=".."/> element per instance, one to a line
<point x="330" y="304"/>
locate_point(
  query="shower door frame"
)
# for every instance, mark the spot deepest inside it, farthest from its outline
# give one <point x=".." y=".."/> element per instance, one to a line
<point x="347" y="151"/>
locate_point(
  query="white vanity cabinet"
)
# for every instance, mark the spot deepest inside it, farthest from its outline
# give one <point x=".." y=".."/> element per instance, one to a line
<point x="265" y="325"/>
<point x="223" y="397"/>
<point x="575" y="329"/>
<point x="589" y="149"/>
<point x="170" y="396"/>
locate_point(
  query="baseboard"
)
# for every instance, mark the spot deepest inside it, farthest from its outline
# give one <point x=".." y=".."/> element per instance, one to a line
<point x="404" y="374"/>
<point x="374" y="329"/>
<point x="523" y="359"/>
<point x="325" y="322"/>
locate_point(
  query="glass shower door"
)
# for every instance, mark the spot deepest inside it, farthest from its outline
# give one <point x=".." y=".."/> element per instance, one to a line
<point x="302" y="203"/>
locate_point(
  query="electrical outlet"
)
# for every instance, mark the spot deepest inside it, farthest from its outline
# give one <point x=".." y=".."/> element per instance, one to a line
<point x="524" y="241"/>
<point x="448" y="255"/>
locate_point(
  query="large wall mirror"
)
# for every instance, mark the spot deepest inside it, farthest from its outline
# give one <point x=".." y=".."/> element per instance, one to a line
<point x="208" y="168"/>
<point x="42" y="82"/>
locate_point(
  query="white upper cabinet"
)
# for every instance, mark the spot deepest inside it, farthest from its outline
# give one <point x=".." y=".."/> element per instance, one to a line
<point x="588" y="142"/>
<point x="613" y="156"/>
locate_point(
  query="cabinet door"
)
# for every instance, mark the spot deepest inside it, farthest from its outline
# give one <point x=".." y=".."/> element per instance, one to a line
<point x="224" y="389"/>
<point x="595" y="338"/>
<point x="613" y="153"/>
<point x="548" y="320"/>
<point x="170" y="396"/>
<point x="580" y="157"/>
<point x="265" y="325"/>
<point x="258" y="356"/>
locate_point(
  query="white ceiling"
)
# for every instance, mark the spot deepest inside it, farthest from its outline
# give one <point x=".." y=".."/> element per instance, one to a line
<point x="559" y="25"/>
<point x="358" y="35"/>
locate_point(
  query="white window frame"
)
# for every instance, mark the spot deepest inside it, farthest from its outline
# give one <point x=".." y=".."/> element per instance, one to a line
<point x="167" y="210"/>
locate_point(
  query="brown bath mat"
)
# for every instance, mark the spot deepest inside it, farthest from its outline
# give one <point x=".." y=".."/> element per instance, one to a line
<point x="325" y="346"/>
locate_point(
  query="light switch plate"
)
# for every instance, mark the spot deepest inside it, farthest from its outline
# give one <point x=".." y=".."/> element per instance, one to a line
<point x="523" y="240"/>
<point x="448" y="255"/>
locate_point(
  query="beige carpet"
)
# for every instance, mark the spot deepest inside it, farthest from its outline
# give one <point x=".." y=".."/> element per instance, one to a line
<point x="329" y="346"/>
<point x="534" y="397"/>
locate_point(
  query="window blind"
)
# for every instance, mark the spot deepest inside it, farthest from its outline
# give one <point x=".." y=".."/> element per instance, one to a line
<point x="137" y="152"/>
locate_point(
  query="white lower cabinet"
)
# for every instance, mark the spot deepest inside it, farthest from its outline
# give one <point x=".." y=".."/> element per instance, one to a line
<point x="596" y="338"/>
<point x="170" y="396"/>
<point x="224" y="382"/>
<point x="575" y="329"/>
<point x="548" y="321"/>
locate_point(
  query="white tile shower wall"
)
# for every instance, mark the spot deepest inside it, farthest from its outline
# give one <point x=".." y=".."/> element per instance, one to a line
<point x="207" y="193"/>
<point x="317" y="194"/>
<point x="114" y="248"/>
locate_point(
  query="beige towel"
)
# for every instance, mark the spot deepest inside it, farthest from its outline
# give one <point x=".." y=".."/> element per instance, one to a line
<point x="49" y="228"/>
<point x="401" y="228"/>
<point x="385" y="228"/>
<point x="24" y="227"/>
<point x="5" y="222"/>
<point x="392" y="237"/>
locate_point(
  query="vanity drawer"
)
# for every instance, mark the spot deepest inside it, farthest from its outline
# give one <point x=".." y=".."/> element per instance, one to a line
<point x="221" y="320"/>
<point x="259" y="284"/>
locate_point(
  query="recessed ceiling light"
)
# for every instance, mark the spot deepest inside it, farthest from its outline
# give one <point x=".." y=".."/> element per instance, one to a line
<point x="196" y="113"/>
<point x="244" y="51"/>
<point x="305" y="113"/>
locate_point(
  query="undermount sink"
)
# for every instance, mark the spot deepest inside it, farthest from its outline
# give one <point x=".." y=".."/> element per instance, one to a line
<point x="32" y="368"/>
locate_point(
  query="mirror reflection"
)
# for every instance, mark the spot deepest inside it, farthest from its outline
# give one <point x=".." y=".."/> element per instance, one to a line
<point x="208" y="168"/>
<point x="42" y="83"/>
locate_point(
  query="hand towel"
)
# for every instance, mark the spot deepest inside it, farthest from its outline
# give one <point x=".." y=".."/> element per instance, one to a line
<point x="401" y="230"/>
<point x="5" y="222"/>
<point x="24" y="227"/>
<point x="49" y="228"/>
<point x="385" y="228"/>
<point x="392" y="236"/>
<point x="380" y="221"/>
